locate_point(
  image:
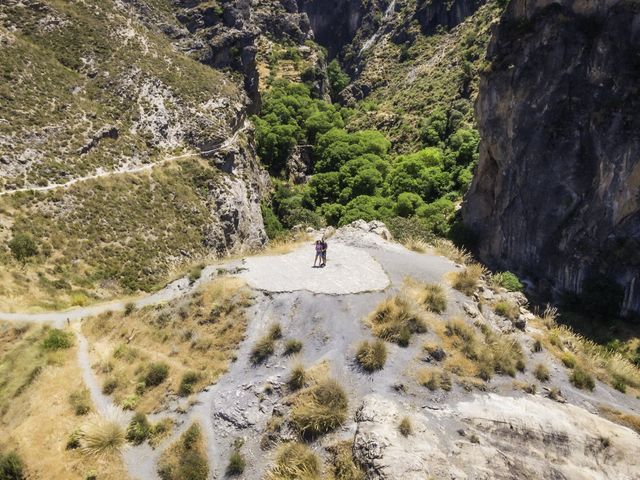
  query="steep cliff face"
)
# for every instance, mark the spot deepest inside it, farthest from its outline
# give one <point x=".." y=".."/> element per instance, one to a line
<point x="556" y="193"/>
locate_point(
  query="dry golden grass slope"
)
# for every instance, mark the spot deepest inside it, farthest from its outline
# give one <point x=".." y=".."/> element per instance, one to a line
<point x="37" y="421"/>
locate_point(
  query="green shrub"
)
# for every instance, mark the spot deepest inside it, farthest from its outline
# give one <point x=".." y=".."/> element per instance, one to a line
<point x="236" y="464"/>
<point x="372" y="356"/>
<point x="23" y="247"/>
<point x="187" y="383"/>
<point x="156" y="374"/>
<point x="129" y="308"/>
<point x="57" y="340"/>
<point x="582" y="379"/>
<point x="568" y="359"/>
<point x="139" y="429"/>
<point x="508" y="281"/>
<point x="11" y="467"/>
<point x="319" y="409"/>
<point x="292" y="346"/>
<point x="262" y="350"/>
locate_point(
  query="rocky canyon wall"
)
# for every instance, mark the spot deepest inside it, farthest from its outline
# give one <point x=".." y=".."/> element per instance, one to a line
<point x="556" y="195"/>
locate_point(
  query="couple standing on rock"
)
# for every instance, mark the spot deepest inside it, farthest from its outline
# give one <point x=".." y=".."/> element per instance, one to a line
<point x="321" y="253"/>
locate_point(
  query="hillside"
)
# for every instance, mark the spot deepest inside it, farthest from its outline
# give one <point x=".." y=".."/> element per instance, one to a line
<point x="387" y="363"/>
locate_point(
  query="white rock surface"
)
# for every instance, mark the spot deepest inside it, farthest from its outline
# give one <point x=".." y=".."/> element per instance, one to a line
<point x="348" y="270"/>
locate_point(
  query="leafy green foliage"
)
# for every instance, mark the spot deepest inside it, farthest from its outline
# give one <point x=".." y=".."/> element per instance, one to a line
<point x="57" y="340"/>
<point x="139" y="429"/>
<point x="508" y="281"/>
<point x="23" y="247"/>
<point x="338" y="79"/>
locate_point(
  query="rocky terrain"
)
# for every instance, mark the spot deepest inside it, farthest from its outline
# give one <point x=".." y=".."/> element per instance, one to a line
<point x="555" y="194"/>
<point x="470" y="429"/>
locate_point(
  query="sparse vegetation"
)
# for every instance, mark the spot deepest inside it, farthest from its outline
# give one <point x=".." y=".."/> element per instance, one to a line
<point x="236" y="464"/>
<point x="262" y="350"/>
<point x="434" y="298"/>
<point x="371" y="356"/>
<point x="186" y="459"/>
<point x="297" y="378"/>
<point x="187" y="384"/>
<point x="275" y="331"/>
<point x="344" y="466"/>
<point x="57" y="340"/>
<point x="292" y="347"/>
<point x="156" y="374"/>
<point x="405" y="427"/>
<point x="507" y="309"/>
<point x="396" y="319"/>
<point x="468" y="279"/>
<point x="623" y="418"/>
<point x="507" y="280"/>
<point x="11" y="467"/>
<point x="582" y="379"/>
<point x="80" y="401"/>
<point x="139" y="429"/>
<point x="541" y="372"/>
<point x="295" y="461"/>
<point x="319" y="409"/>
<point x="434" y="379"/>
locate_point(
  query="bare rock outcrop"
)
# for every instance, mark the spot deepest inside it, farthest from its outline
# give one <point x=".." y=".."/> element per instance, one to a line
<point x="555" y="196"/>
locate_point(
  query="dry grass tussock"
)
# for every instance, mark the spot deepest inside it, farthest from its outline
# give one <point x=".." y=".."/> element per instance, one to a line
<point x="101" y="436"/>
<point x="186" y="459"/>
<point x="371" y="356"/>
<point x="195" y="337"/>
<point x="285" y="244"/>
<point x="416" y="244"/>
<point x="468" y="279"/>
<point x="433" y="297"/>
<point x="434" y="378"/>
<point x="320" y="408"/>
<point x="44" y="380"/>
<point x="396" y="318"/>
<point x="343" y="465"/>
<point x="295" y="461"/>
<point x="448" y="249"/>
<point x="575" y="350"/>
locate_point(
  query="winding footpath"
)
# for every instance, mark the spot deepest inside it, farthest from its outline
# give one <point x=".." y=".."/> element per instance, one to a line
<point x="110" y="173"/>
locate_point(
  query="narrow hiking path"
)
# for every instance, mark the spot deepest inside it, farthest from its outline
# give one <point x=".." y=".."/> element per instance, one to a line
<point x="133" y="170"/>
<point x="324" y="308"/>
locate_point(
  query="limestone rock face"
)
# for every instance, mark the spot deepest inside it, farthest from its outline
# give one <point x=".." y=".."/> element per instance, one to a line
<point x="555" y="196"/>
<point x="492" y="437"/>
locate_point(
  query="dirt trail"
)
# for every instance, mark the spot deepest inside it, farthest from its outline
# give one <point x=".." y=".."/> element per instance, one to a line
<point x="110" y="173"/>
<point x="324" y="309"/>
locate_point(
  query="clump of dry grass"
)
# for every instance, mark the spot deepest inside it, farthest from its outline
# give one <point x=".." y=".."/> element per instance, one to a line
<point x="343" y="465"/>
<point x="319" y="409"/>
<point x="433" y="297"/>
<point x="507" y="309"/>
<point x="295" y="461"/>
<point x="396" y="319"/>
<point x="186" y="459"/>
<point x="100" y="436"/>
<point x="262" y="350"/>
<point x="297" y="378"/>
<point x="468" y="279"/>
<point x="405" y="427"/>
<point x="448" y="249"/>
<point x="371" y="356"/>
<point x="416" y="244"/>
<point x="541" y="372"/>
<point x="434" y="379"/>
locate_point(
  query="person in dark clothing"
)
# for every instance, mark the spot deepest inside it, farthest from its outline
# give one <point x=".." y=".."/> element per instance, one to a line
<point x="324" y="253"/>
<point x="318" y="254"/>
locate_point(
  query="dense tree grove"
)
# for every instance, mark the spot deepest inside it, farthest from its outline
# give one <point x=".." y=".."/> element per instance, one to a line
<point x="355" y="175"/>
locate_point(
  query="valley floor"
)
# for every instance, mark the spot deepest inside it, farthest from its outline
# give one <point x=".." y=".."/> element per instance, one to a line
<point x="510" y="425"/>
